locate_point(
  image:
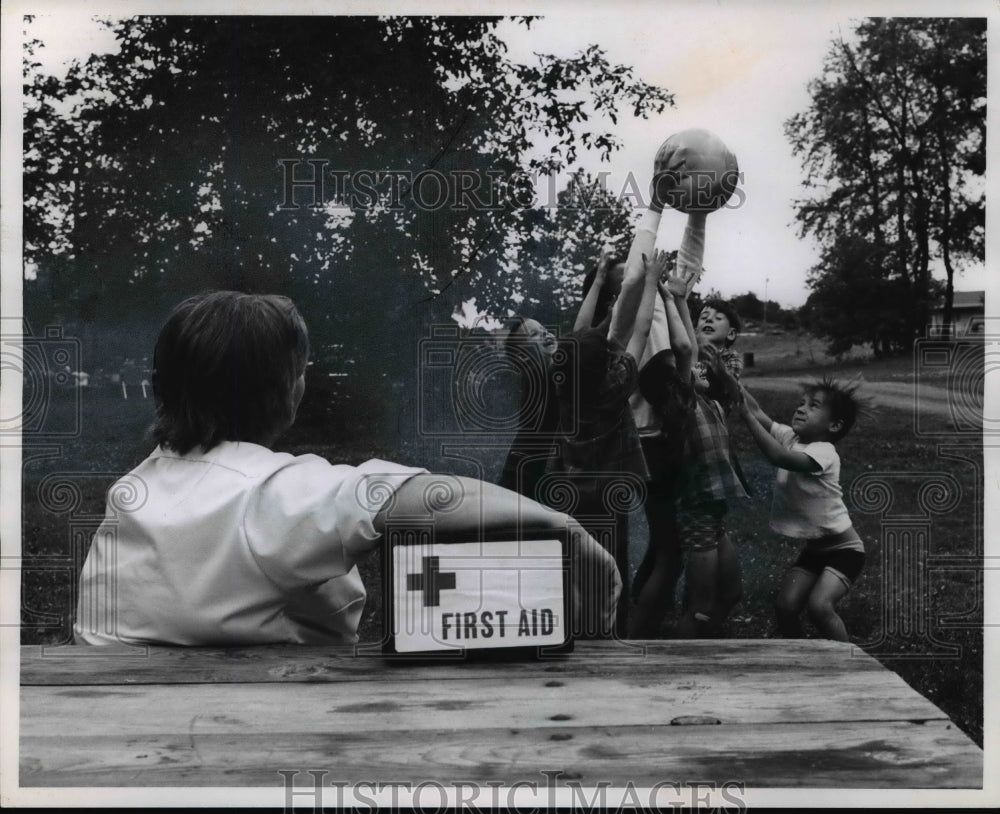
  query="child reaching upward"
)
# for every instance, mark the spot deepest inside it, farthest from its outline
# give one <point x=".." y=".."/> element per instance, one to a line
<point x="709" y="481"/>
<point x="808" y="503"/>
<point x="606" y="275"/>
<point x="683" y="386"/>
<point x="719" y="326"/>
<point x="600" y="453"/>
<point x="665" y="384"/>
<point x="231" y="543"/>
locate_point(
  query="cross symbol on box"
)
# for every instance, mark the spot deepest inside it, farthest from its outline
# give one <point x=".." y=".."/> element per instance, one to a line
<point x="431" y="581"/>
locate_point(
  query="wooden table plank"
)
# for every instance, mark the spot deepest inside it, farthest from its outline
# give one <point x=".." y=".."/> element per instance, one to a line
<point x="791" y="713"/>
<point x="834" y="755"/>
<point x="421" y="702"/>
<point x="290" y="663"/>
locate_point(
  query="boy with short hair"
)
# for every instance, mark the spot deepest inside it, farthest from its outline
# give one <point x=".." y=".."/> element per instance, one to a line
<point x="808" y="503"/>
<point x="719" y="326"/>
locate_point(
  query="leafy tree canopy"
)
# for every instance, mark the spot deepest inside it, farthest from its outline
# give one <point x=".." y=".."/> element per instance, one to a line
<point x="157" y="171"/>
<point x="893" y="148"/>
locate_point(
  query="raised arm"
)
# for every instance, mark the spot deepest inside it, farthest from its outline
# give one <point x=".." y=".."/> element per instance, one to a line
<point x="639" y="331"/>
<point x="691" y="253"/>
<point x="755" y="408"/>
<point x="585" y="318"/>
<point x="778" y="455"/>
<point x="674" y="293"/>
<point x="634" y="281"/>
<point x="476" y="507"/>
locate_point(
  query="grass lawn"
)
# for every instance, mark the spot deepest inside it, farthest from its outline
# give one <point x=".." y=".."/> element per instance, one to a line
<point x="921" y="617"/>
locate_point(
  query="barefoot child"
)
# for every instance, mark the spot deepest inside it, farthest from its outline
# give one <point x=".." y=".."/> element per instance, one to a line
<point x="227" y="542"/>
<point x="808" y="503"/>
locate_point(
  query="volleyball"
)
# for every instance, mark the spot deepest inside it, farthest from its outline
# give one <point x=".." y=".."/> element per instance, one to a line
<point x="694" y="171"/>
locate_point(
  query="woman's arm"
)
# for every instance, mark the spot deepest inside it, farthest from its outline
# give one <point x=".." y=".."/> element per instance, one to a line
<point x="475" y="507"/>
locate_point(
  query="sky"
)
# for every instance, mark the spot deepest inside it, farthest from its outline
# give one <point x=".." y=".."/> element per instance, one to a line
<point x="739" y="69"/>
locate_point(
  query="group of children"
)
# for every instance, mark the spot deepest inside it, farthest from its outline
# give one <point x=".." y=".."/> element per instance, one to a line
<point x="644" y="396"/>
<point x="229" y="542"/>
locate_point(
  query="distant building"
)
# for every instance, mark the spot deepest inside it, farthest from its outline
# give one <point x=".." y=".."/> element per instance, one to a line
<point x="968" y="315"/>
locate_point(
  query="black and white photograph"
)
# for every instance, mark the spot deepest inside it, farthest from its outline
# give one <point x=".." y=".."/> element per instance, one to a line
<point x="505" y="406"/>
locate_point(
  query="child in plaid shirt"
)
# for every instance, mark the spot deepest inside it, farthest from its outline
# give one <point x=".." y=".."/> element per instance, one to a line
<point x="685" y="386"/>
<point x="717" y="329"/>
<point x="709" y="481"/>
<point x="709" y="476"/>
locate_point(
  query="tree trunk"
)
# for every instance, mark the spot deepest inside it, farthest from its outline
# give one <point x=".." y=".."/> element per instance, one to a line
<point x="921" y="258"/>
<point x="944" y="157"/>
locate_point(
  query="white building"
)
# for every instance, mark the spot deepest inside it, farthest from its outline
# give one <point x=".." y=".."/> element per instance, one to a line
<point x="968" y="315"/>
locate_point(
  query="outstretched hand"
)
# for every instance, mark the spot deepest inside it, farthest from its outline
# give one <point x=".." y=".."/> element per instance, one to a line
<point x="730" y="385"/>
<point x="659" y="266"/>
<point x="692" y="278"/>
<point x="604" y="258"/>
<point x="680" y="281"/>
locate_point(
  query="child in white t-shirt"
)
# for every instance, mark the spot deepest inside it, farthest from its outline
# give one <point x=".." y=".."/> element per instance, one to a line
<point x="808" y="503"/>
<point x="215" y="539"/>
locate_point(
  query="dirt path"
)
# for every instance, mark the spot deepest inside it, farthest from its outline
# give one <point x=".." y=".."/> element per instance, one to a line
<point x="899" y="395"/>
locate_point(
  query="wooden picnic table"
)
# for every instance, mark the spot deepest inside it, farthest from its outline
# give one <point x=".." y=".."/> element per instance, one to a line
<point x="767" y="713"/>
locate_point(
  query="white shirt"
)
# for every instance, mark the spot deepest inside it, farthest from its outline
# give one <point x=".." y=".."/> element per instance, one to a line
<point x="808" y="505"/>
<point x="237" y="545"/>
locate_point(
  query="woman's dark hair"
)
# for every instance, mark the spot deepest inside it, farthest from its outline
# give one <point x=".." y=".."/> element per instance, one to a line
<point x="514" y="327"/>
<point x="661" y="385"/>
<point x="224" y="369"/>
<point x="581" y="363"/>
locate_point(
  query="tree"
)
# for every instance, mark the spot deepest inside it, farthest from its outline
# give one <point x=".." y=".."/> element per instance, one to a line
<point x="855" y="302"/>
<point x="750" y="306"/>
<point x="166" y="176"/>
<point x="893" y="149"/>
<point x="560" y="243"/>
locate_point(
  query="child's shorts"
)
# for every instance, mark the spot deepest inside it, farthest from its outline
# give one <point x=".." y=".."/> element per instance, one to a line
<point x="700" y="527"/>
<point x="843" y="563"/>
